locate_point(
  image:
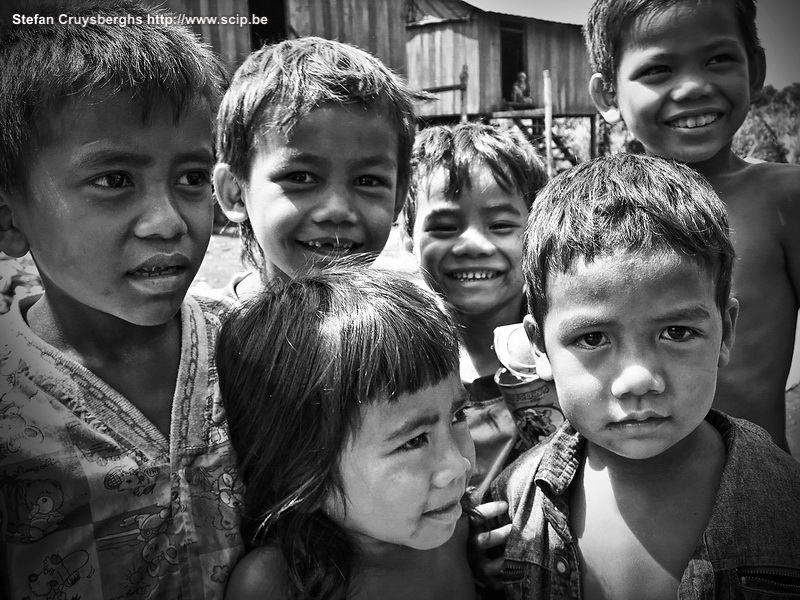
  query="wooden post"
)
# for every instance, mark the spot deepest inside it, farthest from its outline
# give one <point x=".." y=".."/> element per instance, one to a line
<point x="464" y="77"/>
<point x="548" y="123"/>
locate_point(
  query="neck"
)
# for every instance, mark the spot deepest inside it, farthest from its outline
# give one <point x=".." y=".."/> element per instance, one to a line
<point x="93" y="333"/>
<point x="722" y="163"/>
<point x="478" y="334"/>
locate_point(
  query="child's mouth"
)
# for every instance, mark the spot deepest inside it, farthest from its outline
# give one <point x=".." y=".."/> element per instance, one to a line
<point x="694" y="122"/>
<point x="337" y="247"/>
<point x="465" y="276"/>
<point x="157" y="271"/>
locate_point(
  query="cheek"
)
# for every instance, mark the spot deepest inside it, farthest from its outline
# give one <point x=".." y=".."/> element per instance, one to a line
<point x="429" y="251"/>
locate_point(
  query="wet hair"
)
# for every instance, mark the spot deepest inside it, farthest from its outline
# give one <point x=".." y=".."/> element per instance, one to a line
<point x="629" y="203"/>
<point x="48" y="65"/>
<point x="278" y="85"/>
<point x="297" y="364"/>
<point x="611" y="20"/>
<point x="512" y="159"/>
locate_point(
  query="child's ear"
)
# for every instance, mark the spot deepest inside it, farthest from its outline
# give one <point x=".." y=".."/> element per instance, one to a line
<point x="229" y="193"/>
<point x="728" y="331"/>
<point x="12" y="240"/>
<point x="604" y="99"/>
<point x="757" y="69"/>
<point x="543" y="367"/>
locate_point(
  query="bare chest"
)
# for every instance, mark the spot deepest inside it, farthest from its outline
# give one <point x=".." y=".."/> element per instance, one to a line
<point x="630" y="548"/>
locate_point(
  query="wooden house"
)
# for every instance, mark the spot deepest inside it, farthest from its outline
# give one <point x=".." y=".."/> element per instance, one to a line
<point x="444" y="35"/>
<point x="428" y="41"/>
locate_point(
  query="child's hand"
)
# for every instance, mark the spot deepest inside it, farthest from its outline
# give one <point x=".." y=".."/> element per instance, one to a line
<point x="488" y="545"/>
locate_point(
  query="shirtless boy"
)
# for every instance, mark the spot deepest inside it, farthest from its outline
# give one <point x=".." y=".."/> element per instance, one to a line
<point x="682" y="75"/>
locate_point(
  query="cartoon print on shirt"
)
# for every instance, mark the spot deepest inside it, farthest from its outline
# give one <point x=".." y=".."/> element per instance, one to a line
<point x="43" y="498"/>
<point x="230" y="497"/>
<point x="14" y="430"/>
<point x="58" y="573"/>
<point x="139" y="481"/>
<point x="159" y="555"/>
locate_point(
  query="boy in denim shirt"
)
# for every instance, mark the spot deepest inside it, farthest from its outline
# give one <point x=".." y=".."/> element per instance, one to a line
<point x="645" y="491"/>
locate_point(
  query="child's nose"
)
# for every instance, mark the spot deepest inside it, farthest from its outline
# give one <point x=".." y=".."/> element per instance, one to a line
<point x="161" y="217"/>
<point x="637" y="380"/>
<point x="473" y="242"/>
<point x="335" y="207"/>
<point x="454" y="462"/>
<point x="691" y="86"/>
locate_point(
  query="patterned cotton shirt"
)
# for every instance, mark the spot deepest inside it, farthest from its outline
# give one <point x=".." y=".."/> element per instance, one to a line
<point x="95" y="503"/>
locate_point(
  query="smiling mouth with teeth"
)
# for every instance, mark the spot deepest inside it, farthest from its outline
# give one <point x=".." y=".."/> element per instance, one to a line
<point x="338" y="246"/>
<point x="694" y="122"/>
<point x="474" y="275"/>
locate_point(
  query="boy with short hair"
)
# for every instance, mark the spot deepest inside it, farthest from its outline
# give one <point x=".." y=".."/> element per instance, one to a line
<point x="313" y="138"/>
<point x="472" y="186"/>
<point x="117" y="478"/>
<point x="645" y="491"/>
<point x="682" y="75"/>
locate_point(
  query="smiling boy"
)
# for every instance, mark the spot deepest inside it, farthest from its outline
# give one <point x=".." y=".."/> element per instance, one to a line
<point x="627" y="265"/>
<point x="681" y="75"/>
<point x="314" y="138"/>
<point x="471" y="188"/>
<point x="116" y="475"/>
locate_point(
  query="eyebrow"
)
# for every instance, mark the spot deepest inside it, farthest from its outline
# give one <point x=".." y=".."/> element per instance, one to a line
<point x="692" y="313"/>
<point x="425" y="420"/>
<point x="316" y="160"/>
<point x="454" y="209"/>
<point x="113" y="156"/>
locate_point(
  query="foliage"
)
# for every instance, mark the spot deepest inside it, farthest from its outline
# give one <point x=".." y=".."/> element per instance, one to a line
<point x="771" y="130"/>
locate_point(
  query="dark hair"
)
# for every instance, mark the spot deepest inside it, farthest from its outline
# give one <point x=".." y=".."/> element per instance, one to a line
<point x="610" y="20"/>
<point x="107" y="48"/>
<point x="276" y="86"/>
<point x="624" y="202"/>
<point x="513" y="161"/>
<point x="296" y="364"/>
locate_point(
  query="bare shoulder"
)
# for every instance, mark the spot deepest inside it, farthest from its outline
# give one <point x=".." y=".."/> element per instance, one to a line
<point x="777" y="181"/>
<point x="260" y="574"/>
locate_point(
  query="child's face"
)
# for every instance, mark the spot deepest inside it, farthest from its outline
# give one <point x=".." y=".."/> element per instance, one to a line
<point x="633" y="342"/>
<point x="326" y="191"/>
<point x="683" y="83"/>
<point x="119" y="211"/>
<point x="472" y="247"/>
<point x="406" y="469"/>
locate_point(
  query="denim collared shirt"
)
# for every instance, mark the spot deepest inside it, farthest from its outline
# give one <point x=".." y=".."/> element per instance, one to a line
<point x="750" y="547"/>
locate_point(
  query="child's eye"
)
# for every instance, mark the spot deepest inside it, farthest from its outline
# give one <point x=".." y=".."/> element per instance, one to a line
<point x="461" y="414"/>
<point x="503" y="227"/>
<point x="654" y="71"/>
<point x="195" y="178"/>
<point x="440" y="229"/>
<point x="300" y="177"/>
<point x="678" y="333"/>
<point x="113" y="180"/>
<point x="368" y="181"/>
<point x="415" y="443"/>
<point x="594" y="339"/>
<point x="722" y="59"/>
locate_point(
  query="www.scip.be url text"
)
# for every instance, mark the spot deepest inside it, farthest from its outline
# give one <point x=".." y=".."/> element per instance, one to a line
<point x="125" y="20"/>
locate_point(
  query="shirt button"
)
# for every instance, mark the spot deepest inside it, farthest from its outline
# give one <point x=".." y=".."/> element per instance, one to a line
<point x="562" y="566"/>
